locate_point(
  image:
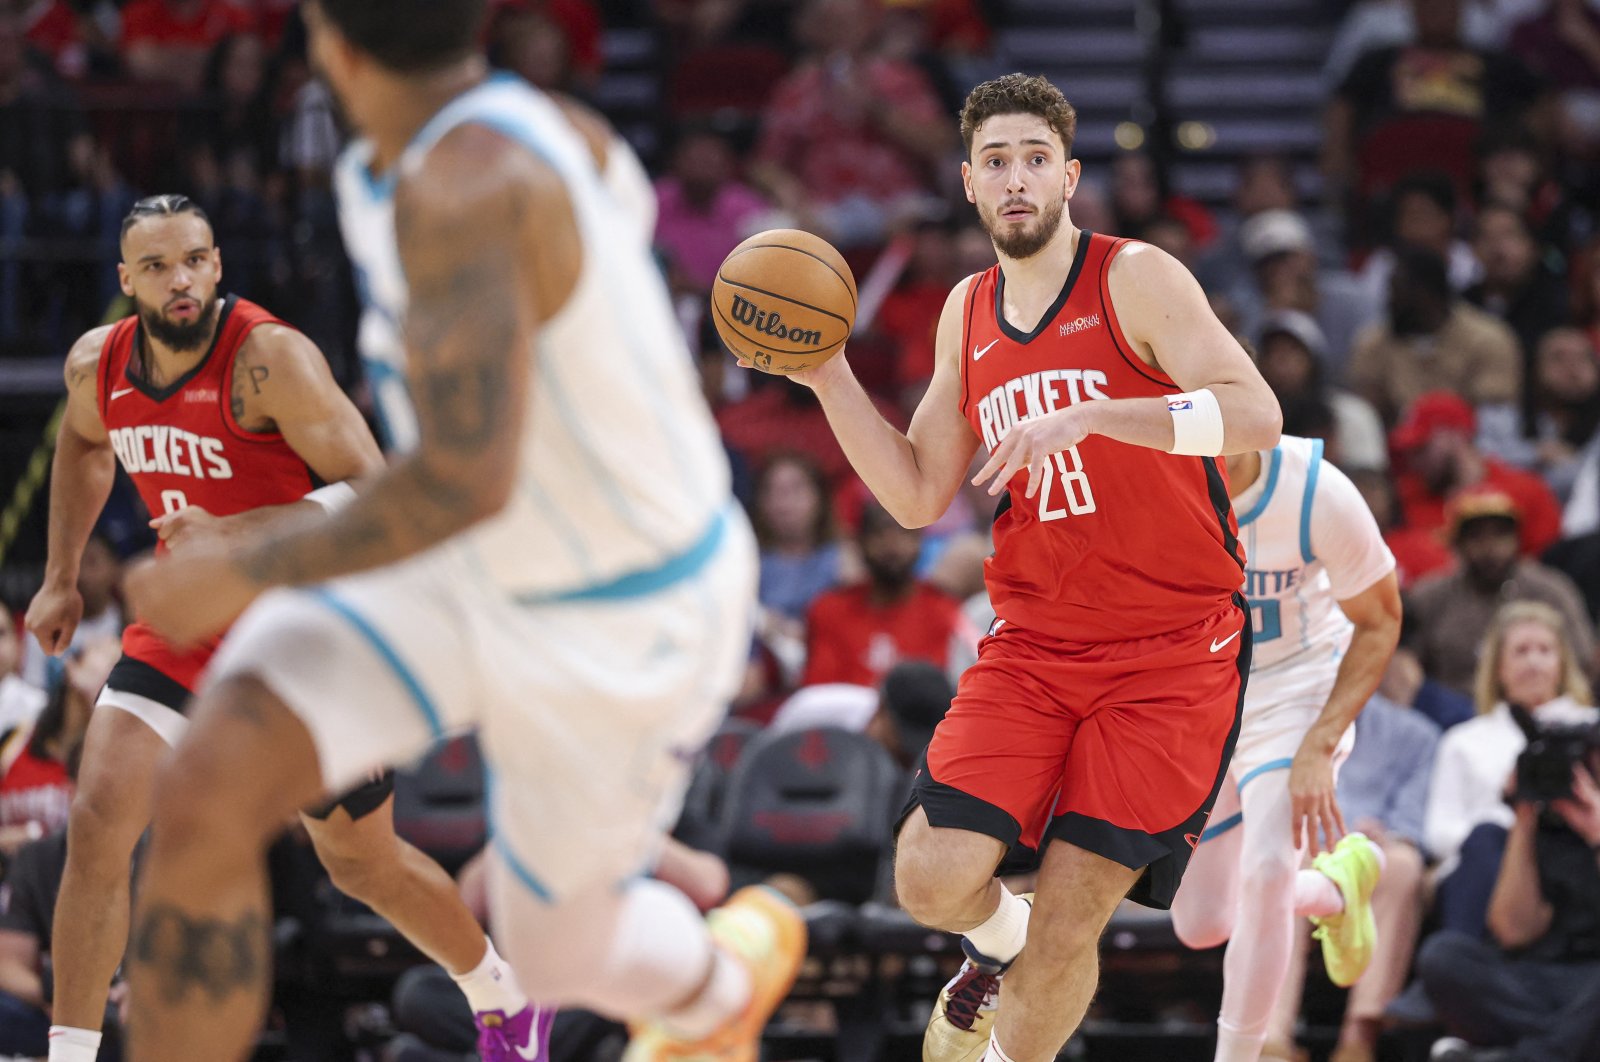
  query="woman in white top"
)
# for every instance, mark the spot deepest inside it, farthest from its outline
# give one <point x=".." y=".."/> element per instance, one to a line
<point x="1528" y="660"/>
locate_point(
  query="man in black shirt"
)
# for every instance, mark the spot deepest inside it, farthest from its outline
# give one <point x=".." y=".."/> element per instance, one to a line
<point x="1534" y="994"/>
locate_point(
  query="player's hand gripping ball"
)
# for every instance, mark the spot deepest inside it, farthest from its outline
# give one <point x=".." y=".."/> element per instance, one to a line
<point x="784" y="301"/>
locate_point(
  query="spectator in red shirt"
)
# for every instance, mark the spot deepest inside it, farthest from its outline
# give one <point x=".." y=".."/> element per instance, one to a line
<point x="39" y="757"/>
<point x="910" y="314"/>
<point x="1436" y="455"/>
<point x="851" y="136"/>
<point x="171" y="41"/>
<point x="858" y="633"/>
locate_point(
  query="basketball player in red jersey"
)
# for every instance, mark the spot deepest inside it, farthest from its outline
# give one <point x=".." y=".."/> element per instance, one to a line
<point x="223" y="416"/>
<point x="1098" y="722"/>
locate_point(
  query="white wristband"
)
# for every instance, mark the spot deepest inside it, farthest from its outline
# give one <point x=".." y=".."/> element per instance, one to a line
<point x="333" y="497"/>
<point x="1196" y="423"/>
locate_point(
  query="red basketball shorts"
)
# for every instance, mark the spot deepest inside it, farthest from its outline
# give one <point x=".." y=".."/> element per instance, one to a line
<point x="1119" y="748"/>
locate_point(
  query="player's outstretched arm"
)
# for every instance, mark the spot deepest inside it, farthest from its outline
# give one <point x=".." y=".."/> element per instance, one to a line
<point x="914" y="476"/>
<point x="1165" y="316"/>
<point x="81" y="475"/>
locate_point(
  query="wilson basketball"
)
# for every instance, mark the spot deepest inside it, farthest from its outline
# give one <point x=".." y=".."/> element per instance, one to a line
<point x="785" y="300"/>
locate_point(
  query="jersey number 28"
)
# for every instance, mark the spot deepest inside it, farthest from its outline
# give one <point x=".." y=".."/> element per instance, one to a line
<point x="1074" y="486"/>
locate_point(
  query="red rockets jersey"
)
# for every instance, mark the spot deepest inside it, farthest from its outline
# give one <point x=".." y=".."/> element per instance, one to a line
<point x="181" y="446"/>
<point x="1121" y="541"/>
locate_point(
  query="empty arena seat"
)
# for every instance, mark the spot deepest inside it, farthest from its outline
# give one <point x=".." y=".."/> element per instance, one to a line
<point x="699" y="824"/>
<point x="819" y="804"/>
<point x="438" y="804"/>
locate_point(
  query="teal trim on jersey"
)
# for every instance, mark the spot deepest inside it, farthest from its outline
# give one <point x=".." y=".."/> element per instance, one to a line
<point x="1307" y="499"/>
<point x="497" y="839"/>
<point x="386" y="653"/>
<point x="1266" y="495"/>
<point x="1217" y="830"/>
<point x="668" y="573"/>
<point x="520" y="871"/>
<point x="1270" y="765"/>
<point x="382" y="187"/>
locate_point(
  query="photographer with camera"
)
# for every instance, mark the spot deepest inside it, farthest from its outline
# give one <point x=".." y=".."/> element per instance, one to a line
<point x="1533" y="993"/>
<point x="1525" y="658"/>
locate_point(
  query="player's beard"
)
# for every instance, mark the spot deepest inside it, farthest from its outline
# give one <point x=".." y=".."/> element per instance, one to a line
<point x="1025" y="242"/>
<point x="175" y="334"/>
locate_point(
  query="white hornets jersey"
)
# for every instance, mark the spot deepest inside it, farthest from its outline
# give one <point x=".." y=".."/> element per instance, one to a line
<point x="622" y="474"/>
<point x="1311" y="542"/>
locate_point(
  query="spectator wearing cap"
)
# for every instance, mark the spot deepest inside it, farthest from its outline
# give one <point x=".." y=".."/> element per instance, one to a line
<point x="1455" y="611"/>
<point x="1437" y="456"/>
<point x="1432" y="339"/>
<point x="1293" y="355"/>
<point x="1284" y="275"/>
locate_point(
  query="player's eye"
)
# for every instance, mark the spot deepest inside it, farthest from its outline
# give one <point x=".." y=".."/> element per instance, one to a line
<point x="1039" y="160"/>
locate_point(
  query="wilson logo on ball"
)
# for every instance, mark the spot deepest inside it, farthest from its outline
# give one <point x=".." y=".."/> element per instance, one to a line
<point x="771" y="323"/>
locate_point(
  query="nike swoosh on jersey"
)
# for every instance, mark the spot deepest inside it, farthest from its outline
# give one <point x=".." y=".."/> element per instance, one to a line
<point x="981" y="351"/>
<point x="118" y="394"/>
<point x="1216" y="645"/>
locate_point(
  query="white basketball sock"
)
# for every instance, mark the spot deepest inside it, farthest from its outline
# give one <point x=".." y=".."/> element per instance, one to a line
<point x="994" y="1054"/>
<point x="491" y="985"/>
<point x="1001" y="936"/>
<point x="73" y="1045"/>
<point x="1315" y="895"/>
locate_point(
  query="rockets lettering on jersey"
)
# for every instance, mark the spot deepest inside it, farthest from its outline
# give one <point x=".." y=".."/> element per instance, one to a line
<point x="1034" y="395"/>
<point x="146" y="448"/>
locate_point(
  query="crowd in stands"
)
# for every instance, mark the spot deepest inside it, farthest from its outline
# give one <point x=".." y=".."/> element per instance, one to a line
<point x="1434" y="315"/>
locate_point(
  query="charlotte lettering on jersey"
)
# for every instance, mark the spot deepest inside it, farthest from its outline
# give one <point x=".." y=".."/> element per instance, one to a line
<point x="770" y="322"/>
<point x="173" y="451"/>
<point x="1270" y="583"/>
<point x="1034" y="395"/>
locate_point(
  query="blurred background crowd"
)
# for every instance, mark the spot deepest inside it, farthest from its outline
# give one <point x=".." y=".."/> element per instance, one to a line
<point x="1396" y="203"/>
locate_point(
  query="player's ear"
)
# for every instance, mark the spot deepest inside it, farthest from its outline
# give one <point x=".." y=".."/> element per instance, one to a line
<point x="216" y="262"/>
<point x="966" y="181"/>
<point x="1074" y="173"/>
<point x="125" y="279"/>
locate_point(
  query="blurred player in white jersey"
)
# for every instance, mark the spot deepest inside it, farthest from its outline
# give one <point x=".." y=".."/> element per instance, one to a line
<point x="552" y="557"/>
<point x="1325" y="610"/>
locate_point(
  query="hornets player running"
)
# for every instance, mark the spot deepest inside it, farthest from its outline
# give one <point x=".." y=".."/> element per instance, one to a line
<point x="553" y="558"/>
<point x="1325" y="611"/>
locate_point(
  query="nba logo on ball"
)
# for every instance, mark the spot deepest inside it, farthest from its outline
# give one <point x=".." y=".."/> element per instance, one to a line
<point x="784" y="301"/>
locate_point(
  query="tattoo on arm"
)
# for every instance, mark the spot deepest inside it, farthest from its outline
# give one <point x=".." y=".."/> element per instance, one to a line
<point x="217" y="956"/>
<point x="469" y="319"/>
<point x="257" y="374"/>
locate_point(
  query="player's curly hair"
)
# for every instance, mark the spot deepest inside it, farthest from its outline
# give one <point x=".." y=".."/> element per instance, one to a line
<point x="1019" y="94"/>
